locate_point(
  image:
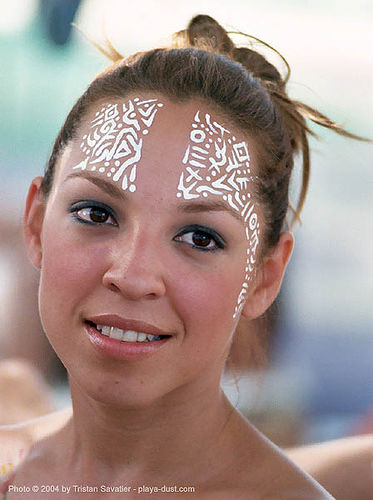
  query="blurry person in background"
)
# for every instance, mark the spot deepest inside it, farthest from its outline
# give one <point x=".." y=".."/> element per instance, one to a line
<point x="28" y="364"/>
<point x="27" y="360"/>
<point x="343" y="466"/>
<point x="24" y="393"/>
<point x="21" y="333"/>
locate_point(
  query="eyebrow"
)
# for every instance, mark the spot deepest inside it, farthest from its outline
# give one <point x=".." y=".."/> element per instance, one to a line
<point x="106" y="186"/>
<point x="208" y="206"/>
<point x="189" y="207"/>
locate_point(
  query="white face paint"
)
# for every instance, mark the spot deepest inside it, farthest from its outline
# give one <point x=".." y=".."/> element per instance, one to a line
<point x="115" y="141"/>
<point x="217" y="164"/>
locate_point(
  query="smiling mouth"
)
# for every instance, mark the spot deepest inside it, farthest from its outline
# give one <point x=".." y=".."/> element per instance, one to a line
<point x="126" y="335"/>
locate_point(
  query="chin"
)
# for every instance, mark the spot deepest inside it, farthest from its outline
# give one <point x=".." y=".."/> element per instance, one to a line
<point x="121" y="392"/>
<point x="124" y="400"/>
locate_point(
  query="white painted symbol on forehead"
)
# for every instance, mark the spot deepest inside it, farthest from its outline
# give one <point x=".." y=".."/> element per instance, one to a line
<point x="114" y="144"/>
<point x="217" y="164"/>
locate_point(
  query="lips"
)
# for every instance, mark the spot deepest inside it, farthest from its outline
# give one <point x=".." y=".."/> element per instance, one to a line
<point x="124" y="339"/>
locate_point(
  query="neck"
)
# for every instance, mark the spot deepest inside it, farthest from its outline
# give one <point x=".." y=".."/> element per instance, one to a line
<point x="182" y="430"/>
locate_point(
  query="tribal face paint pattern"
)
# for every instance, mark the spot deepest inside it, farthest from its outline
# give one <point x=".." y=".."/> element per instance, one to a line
<point x="114" y="145"/>
<point x="217" y="164"/>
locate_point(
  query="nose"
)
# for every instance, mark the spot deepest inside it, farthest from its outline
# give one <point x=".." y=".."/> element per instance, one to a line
<point x="136" y="269"/>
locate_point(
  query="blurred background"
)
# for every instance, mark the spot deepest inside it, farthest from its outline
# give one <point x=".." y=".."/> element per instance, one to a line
<point x="318" y="383"/>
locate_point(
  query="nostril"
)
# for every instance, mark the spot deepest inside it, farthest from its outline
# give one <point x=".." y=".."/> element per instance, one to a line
<point x="111" y="286"/>
<point x="135" y="276"/>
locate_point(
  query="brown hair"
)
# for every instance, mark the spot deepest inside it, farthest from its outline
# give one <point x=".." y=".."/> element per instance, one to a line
<point x="203" y="62"/>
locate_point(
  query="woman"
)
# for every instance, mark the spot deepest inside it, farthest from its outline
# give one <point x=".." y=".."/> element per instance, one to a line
<point x="157" y="228"/>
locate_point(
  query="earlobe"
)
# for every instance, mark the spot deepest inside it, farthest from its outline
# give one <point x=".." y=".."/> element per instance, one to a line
<point x="269" y="278"/>
<point x="33" y="222"/>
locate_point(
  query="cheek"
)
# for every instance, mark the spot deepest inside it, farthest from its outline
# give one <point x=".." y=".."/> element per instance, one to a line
<point x="69" y="272"/>
<point x="207" y="299"/>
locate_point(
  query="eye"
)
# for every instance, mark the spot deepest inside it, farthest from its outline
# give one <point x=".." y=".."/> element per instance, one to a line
<point x="204" y="239"/>
<point x="93" y="213"/>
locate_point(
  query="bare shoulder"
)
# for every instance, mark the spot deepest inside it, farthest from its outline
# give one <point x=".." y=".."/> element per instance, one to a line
<point x="286" y="481"/>
<point x="265" y="469"/>
<point x="16" y="440"/>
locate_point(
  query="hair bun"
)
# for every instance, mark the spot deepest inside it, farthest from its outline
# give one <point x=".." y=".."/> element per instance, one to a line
<point x="205" y="33"/>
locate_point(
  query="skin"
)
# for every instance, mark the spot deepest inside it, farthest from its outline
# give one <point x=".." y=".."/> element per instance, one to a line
<point x="161" y="419"/>
<point x="343" y="466"/>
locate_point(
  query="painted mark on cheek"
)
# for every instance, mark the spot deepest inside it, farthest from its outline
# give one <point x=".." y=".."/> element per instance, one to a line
<point x="216" y="163"/>
<point x="113" y="147"/>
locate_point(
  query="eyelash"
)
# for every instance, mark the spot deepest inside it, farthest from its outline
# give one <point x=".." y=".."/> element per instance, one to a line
<point x="205" y="231"/>
<point x="193" y="228"/>
<point x="84" y="205"/>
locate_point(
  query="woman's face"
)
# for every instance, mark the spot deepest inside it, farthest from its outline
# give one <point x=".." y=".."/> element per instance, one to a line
<point x="148" y="228"/>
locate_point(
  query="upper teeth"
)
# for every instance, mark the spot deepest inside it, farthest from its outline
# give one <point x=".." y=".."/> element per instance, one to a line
<point x="126" y="335"/>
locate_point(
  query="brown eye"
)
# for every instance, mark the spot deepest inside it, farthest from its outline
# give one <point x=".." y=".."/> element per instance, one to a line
<point x="98" y="215"/>
<point x="94" y="215"/>
<point x="201" y="239"/>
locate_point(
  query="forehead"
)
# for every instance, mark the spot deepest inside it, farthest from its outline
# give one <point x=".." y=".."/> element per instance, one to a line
<point x="153" y="116"/>
<point x="119" y="134"/>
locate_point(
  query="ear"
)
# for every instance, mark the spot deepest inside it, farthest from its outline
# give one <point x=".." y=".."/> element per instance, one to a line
<point x="269" y="278"/>
<point x="33" y="222"/>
